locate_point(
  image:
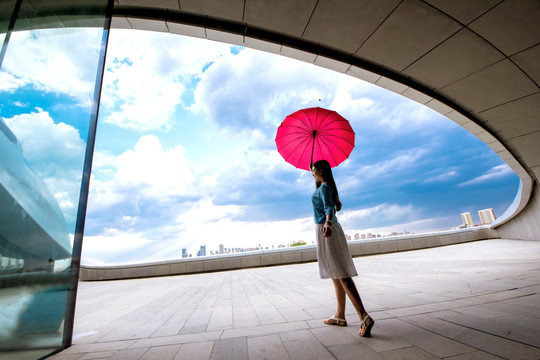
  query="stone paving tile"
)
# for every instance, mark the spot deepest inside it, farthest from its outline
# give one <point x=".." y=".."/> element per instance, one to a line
<point x="269" y="315"/>
<point x="178" y="339"/>
<point x="60" y="356"/>
<point x="294" y="335"/>
<point x="435" y="344"/>
<point x="142" y="331"/>
<point x="409" y="353"/>
<point x="422" y="309"/>
<point x="128" y="354"/>
<point x="294" y="313"/>
<point x="486" y="342"/>
<point x="319" y="312"/>
<point x="230" y="349"/>
<point x="195" y="351"/>
<point x="167" y="352"/>
<point x="244" y="317"/>
<point x="380" y="340"/>
<point x="334" y="335"/>
<point x="505" y="307"/>
<point x="532" y="301"/>
<point x="494" y="327"/>
<point x="90" y="348"/>
<point x="198" y="321"/>
<point x="477" y="355"/>
<point x="97" y="355"/>
<point x="221" y="318"/>
<point x="307" y="349"/>
<point x="168" y="330"/>
<point x="266" y="347"/>
<point x="121" y="332"/>
<point x="264" y="329"/>
<point x="354" y="351"/>
<point x="435" y="302"/>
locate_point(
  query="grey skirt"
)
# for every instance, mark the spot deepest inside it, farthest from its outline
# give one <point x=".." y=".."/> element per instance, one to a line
<point x="333" y="254"/>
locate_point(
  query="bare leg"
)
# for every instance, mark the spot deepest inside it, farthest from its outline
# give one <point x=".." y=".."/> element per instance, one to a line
<point x="340" y="298"/>
<point x="350" y="288"/>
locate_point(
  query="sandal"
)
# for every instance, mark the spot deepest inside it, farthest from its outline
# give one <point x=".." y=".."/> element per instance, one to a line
<point x="367" y="327"/>
<point x="335" y="321"/>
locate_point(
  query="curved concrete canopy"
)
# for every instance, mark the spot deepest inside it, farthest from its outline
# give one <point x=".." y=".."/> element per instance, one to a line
<point x="475" y="62"/>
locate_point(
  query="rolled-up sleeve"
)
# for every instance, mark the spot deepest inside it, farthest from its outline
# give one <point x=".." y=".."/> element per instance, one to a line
<point x="328" y="200"/>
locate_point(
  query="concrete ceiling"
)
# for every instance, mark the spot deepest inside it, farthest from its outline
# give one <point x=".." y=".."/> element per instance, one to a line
<point x="476" y="62"/>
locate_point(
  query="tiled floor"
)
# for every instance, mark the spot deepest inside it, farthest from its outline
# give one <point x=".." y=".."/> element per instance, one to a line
<point x="477" y="300"/>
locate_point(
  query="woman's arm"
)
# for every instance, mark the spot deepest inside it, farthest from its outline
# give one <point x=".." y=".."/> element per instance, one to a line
<point x="328" y="203"/>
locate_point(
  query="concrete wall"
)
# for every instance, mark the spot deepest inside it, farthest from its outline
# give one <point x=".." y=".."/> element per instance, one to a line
<point x="526" y="225"/>
<point x="280" y="256"/>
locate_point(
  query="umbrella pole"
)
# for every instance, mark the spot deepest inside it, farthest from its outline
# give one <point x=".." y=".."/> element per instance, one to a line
<point x="312" y="149"/>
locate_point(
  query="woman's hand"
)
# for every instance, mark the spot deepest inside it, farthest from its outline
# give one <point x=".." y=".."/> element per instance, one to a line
<point x="327" y="228"/>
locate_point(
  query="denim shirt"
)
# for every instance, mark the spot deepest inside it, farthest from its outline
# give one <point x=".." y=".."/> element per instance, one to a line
<point x="323" y="204"/>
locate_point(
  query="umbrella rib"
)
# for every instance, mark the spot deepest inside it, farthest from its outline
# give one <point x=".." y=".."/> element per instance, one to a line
<point x="322" y="134"/>
<point x="300" y="143"/>
<point x="302" y="122"/>
<point x="327" y="139"/>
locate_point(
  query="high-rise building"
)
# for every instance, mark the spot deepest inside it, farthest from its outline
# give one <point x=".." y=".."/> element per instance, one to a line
<point x="487" y="216"/>
<point x="221" y="249"/>
<point x="467" y="219"/>
<point x="184" y="253"/>
<point x="202" y="251"/>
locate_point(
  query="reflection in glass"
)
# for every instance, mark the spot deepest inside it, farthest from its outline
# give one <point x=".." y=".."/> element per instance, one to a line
<point x="47" y="93"/>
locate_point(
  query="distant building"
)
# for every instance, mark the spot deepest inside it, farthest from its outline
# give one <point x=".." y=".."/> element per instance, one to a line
<point x="467" y="219"/>
<point x="184" y="253"/>
<point x="221" y="249"/>
<point x="487" y="216"/>
<point x="202" y="251"/>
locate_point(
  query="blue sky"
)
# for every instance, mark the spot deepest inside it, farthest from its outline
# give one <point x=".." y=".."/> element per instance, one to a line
<point x="185" y="153"/>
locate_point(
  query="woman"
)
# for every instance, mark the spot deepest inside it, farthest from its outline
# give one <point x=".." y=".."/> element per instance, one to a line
<point x="333" y="255"/>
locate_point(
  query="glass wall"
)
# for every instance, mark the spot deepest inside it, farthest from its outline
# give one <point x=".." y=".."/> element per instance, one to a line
<point x="50" y="74"/>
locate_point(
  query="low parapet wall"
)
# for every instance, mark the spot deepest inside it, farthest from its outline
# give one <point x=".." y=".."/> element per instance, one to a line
<point x="292" y="255"/>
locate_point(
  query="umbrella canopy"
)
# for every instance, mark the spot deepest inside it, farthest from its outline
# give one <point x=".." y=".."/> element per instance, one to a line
<point x="314" y="134"/>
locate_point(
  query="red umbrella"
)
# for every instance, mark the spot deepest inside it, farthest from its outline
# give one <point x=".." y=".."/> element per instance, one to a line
<point x="314" y="134"/>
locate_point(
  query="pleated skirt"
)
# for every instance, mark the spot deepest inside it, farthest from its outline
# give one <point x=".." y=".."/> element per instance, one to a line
<point x="333" y="254"/>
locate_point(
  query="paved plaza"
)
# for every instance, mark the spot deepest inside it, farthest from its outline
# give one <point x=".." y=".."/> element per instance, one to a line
<point x="478" y="300"/>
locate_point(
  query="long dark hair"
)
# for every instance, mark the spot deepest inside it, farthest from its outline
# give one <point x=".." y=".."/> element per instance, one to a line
<point x="329" y="179"/>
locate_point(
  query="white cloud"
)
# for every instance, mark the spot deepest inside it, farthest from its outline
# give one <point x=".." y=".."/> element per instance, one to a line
<point x="43" y="140"/>
<point x="111" y="244"/>
<point x="493" y="173"/>
<point x="447" y="175"/>
<point x="159" y="172"/>
<point x="408" y="116"/>
<point x="9" y="82"/>
<point x="61" y="61"/>
<point x="386" y="211"/>
<point x="415" y="226"/>
<point x="257" y="90"/>
<point x="402" y="160"/>
<point x="348" y="98"/>
<point x="56" y="152"/>
<point x="142" y="89"/>
<point x="147" y="171"/>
